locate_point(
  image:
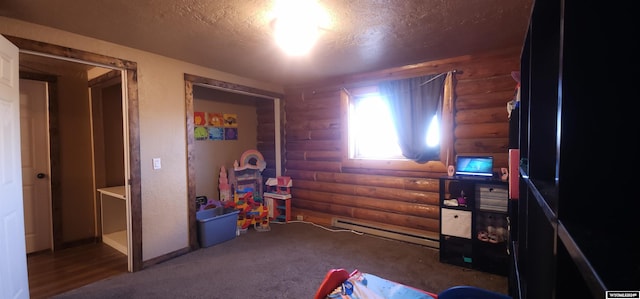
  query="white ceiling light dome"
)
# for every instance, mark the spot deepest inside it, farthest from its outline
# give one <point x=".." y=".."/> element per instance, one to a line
<point x="297" y="25"/>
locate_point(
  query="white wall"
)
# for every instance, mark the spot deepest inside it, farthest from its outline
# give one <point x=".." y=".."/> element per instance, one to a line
<point x="162" y="129"/>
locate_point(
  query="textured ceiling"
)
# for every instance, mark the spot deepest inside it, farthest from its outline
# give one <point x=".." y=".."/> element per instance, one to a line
<point x="235" y="36"/>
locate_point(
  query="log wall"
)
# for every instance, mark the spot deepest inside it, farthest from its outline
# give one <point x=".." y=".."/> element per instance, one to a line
<point x="323" y="187"/>
<point x="266" y="136"/>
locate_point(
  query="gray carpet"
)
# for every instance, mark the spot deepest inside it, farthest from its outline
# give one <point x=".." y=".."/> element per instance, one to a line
<point x="289" y="261"/>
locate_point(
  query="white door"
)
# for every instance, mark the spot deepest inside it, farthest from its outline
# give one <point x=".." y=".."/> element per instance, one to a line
<point x="14" y="281"/>
<point x="35" y="164"/>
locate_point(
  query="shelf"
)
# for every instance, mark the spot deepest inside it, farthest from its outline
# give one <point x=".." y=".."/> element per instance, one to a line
<point x="577" y="222"/>
<point x="279" y="206"/>
<point x="461" y="225"/>
<point x="582" y="263"/>
<point x="456" y="251"/>
<point x="277" y="195"/>
<point x="113" y="209"/>
<point x="116" y="192"/>
<point x="539" y="198"/>
<point x="459" y="208"/>
<point x="117" y="240"/>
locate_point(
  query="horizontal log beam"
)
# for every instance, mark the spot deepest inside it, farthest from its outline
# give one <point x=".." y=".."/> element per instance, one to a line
<point x="488" y="85"/>
<point x="395" y="173"/>
<point x="486" y="115"/>
<point x="315" y="145"/>
<point x="401" y="207"/>
<point x="476" y="131"/>
<point x="404" y="195"/>
<point x="482" y="145"/>
<point x="313" y="114"/>
<point x="316" y="166"/>
<point x="317" y="103"/>
<point x="413" y="222"/>
<point x="484" y="100"/>
<point x="301" y="134"/>
<point x="320" y="124"/>
<point x="331" y="156"/>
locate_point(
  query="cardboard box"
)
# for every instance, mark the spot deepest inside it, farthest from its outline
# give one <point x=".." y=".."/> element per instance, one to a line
<point x="216" y="226"/>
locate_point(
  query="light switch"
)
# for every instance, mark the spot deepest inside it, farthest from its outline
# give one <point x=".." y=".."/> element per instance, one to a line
<point x="156" y="163"/>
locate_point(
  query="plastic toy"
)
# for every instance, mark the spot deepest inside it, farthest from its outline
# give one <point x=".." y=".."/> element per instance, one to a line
<point x="251" y="211"/>
<point x="223" y="185"/>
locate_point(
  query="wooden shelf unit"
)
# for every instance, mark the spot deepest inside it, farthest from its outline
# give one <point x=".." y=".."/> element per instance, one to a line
<point x="113" y="207"/>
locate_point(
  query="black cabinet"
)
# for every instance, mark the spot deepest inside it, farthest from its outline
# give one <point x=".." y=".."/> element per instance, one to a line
<point x="575" y="237"/>
<point x="474" y="224"/>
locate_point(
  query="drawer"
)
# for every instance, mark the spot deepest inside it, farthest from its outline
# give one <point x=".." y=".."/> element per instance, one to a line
<point x="489" y="191"/>
<point x="455" y="223"/>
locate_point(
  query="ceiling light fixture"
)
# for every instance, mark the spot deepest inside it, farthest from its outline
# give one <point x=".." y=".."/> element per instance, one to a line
<point x="297" y="25"/>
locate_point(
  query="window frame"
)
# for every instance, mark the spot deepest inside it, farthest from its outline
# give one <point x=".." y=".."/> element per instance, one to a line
<point x="446" y="141"/>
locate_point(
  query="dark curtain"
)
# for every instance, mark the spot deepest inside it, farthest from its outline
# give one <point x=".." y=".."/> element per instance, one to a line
<point x="413" y="103"/>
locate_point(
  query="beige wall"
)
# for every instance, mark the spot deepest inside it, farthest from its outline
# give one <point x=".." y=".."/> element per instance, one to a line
<point x="112" y="134"/>
<point x="162" y="129"/>
<point x="210" y="155"/>
<point x="76" y="170"/>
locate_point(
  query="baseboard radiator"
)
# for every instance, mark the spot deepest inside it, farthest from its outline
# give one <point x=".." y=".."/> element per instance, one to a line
<point x="391" y="232"/>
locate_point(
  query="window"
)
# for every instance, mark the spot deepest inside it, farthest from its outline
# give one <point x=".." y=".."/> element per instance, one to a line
<point x="371" y="140"/>
<point x="372" y="134"/>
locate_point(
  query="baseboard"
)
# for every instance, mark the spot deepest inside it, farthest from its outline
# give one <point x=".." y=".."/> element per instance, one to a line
<point x="165" y="257"/>
<point x="368" y="227"/>
<point x="388" y="231"/>
<point x="75" y="243"/>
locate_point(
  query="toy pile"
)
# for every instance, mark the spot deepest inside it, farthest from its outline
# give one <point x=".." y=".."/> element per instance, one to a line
<point x="252" y="212"/>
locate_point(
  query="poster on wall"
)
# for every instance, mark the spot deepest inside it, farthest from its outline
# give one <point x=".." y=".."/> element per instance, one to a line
<point x="216" y="133"/>
<point x="215" y="119"/>
<point x="199" y="119"/>
<point x="230" y="120"/>
<point x="215" y="126"/>
<point x="230" y="133"/>
<point x="200" y="133"/>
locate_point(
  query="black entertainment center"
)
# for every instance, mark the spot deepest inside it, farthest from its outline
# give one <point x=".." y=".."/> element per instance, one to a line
<point x="577" y="234"/>
<point x="474" y="224"/>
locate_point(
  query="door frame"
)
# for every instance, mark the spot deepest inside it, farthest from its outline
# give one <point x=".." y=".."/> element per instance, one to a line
<point x="194" y="80"/>
<point x="130" y="84"/>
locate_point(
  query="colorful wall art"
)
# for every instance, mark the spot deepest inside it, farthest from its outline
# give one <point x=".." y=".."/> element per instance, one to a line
<point x="215" y="126"/>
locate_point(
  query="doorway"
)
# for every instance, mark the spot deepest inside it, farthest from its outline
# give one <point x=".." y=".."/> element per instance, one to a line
<point x="61" y="219"/>
<point x="269" y="140"/>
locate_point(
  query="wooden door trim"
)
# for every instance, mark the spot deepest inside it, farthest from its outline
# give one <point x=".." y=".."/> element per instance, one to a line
<point x="130" y="68"/>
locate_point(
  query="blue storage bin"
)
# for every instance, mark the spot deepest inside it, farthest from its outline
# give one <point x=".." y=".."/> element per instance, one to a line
<point x="216" y="225"/>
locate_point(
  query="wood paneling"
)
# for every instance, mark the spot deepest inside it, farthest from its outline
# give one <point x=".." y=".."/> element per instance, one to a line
<point x="323" y="187"/>
<point x="267" y="136"/>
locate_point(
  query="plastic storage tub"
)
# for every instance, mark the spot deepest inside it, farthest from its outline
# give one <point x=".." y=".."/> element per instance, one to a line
<point x="216" y="226"/>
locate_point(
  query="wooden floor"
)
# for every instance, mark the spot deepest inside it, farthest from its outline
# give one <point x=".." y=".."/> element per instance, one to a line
<point x="53" y="273"/>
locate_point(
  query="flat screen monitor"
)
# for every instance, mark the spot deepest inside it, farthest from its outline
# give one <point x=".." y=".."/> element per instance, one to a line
<point x="474" y="166"/>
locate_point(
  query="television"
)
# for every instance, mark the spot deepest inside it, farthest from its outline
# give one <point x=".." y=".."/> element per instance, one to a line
<point x="477" y="166"/>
